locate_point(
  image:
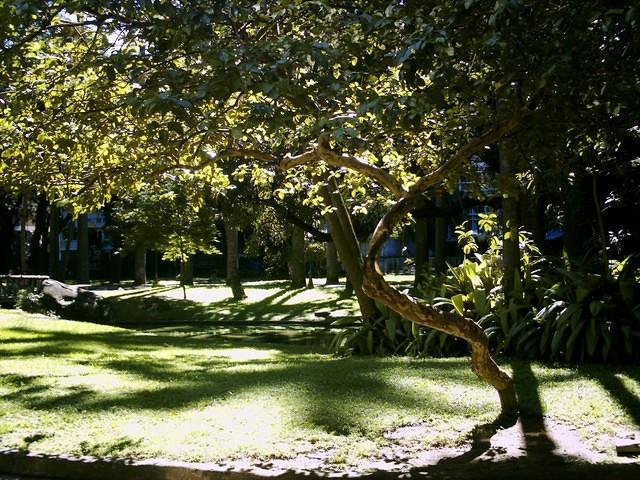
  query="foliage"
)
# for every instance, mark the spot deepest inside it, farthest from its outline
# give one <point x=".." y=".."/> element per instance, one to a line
<point x="30" y="302"/>
<point x="554" y="313"/>
<point x="587" y="315"/>
<point x="167" y="217"/>
<point x="400" y="85"/>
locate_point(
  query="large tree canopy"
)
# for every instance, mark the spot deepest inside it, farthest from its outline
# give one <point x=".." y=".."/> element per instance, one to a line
<point x="386" y="99"/>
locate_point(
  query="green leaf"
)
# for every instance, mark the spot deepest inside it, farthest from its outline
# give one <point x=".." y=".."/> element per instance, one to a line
<point x="556" y="341"/>
<point x="415" y="329"/>
<point x="575" y="333"/>
<point x="458" y="304"/>
<point x="390" y="326"/>
<point x="370" y="342"/>
<point x="606" y="337"/>
<point x="592" y="337"/>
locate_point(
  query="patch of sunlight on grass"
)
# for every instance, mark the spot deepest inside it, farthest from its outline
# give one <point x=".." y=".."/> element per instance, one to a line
<point x="198" y="294"/>
<point x="246" y="354"/>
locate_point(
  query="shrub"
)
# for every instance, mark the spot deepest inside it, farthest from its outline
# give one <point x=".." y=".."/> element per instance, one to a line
<point x="555" y="311"/>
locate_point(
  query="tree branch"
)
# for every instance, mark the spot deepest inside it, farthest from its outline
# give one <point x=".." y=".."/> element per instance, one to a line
<point x="463" y="154"/>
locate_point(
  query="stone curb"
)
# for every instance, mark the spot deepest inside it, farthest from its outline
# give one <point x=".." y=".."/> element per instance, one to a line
<point x="18" y="462"/>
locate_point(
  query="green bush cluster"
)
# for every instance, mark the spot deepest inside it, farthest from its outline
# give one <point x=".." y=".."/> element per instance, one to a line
<point x="556" y="311"/>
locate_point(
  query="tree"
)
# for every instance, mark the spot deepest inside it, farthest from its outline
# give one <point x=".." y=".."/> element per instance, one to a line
<point x="166" y="217"/>
<point x="381" y="99"/>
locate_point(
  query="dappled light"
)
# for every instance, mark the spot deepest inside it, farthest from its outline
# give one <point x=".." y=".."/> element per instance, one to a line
<point x="216" y="398"/>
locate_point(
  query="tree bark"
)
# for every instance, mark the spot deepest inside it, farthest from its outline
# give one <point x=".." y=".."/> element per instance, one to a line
<point x="140" y="265"/>
<point x="54" y="242"/>
<point x="24" y="218"/>
<point x="156" y="259"/>
<point x="186" y="271"/>
<point x="440" y="240"/>
<point x="297" y="270"/>
<point x="233" y="260"/>
<point x="422" y="250"/>
<point x="510" y="242"/>
<point x="373" y="284"/>
<point x="39" y="240"/>
<point x="8" y="210"/>
<point x="83" y="249"/>
<point x="348" y="249"/>
<point x="333" y="274"/>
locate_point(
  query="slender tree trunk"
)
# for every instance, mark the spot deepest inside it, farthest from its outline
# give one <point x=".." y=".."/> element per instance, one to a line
<point x="296" y="259"/>
<point x="40" y="240"/>
<point x="440" y="232"/>
<point x="510" y="242"/>
<point x="186" y="271"/>
<point x="601" y="228"/>
<point x="348" y="289"/>
<point x="66" y="255"/>
<point x="54" y="243"/>
<point x="348" y="249"/>
<point x="233" y="260"/>
<point x="8" y="209"/>
<point x="116" y="267"/>
<point x="577" y="223"/>
<point x="83" y="249"/>
<point x="24" y="218"/>
<point x="531" y="214"/>
<point x="156" y="256"/>
<point x="333" y="275"/>
<point x="140" y="265"/>
<point x="422" y="250"/>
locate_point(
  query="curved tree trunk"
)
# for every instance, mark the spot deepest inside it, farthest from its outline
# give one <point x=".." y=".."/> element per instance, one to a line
<point x="376" y="287"/>
<point x="233" y="260"/>
<point x="373" y="284"/>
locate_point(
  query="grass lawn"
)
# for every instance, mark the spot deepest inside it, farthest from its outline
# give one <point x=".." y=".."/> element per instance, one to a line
<point x="81" y="388"/>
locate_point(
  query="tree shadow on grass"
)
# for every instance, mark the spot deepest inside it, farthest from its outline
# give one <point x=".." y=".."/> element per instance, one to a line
<point x="331" y="394"/>
<point x="611" y="381"/>
<point x="152" y="309"/>
<point x="537" y="444"/>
